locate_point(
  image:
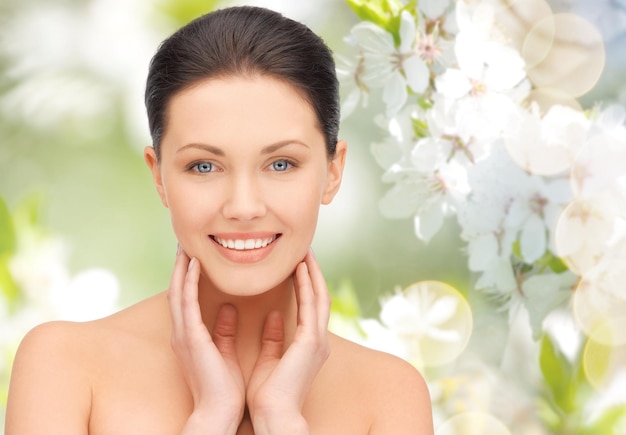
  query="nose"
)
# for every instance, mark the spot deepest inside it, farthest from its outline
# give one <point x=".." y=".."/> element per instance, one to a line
<point x="244" y="199"/>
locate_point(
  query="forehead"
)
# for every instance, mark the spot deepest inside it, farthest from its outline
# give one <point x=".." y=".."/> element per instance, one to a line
<point x="252" y="110"/>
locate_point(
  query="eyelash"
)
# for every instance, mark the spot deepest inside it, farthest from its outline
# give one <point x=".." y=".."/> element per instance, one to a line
<point x="291" y="164"/>
<point x="194" y="167"/>
<point x="212" y="167"/>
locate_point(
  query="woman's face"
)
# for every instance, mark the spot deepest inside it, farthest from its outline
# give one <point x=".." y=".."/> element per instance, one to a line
<point x="243" y="172"/>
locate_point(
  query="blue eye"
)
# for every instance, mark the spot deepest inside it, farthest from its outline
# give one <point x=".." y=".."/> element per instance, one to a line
<point x="203" y="167"/>
<point x="281" y="165"/>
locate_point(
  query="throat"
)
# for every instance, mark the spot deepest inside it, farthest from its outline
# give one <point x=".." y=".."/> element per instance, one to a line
<point x="245" y="427"/>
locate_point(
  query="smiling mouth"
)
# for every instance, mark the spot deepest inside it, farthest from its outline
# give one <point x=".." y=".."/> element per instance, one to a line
<point x="245" y="245"/>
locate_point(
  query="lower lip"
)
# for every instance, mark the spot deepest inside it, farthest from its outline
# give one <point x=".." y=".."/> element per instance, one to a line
<point x="245" y="256"/>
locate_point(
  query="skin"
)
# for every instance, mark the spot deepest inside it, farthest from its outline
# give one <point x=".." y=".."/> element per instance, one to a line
<point x="239" y="342"/>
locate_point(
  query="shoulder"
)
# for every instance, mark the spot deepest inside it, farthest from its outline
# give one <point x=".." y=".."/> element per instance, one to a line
<point x="58" y="363"/>
<point x="393" y="390"/>
<point x="49" y="379"/>
<point x="58" y="344"/>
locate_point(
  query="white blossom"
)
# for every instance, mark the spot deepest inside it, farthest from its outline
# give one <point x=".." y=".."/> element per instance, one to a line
<point x="393" y="68"/>
<point x="548" y="145"/>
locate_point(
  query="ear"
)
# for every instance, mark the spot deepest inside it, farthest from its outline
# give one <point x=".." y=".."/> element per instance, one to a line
<point x="335" y="172"/>
<point x="150" y="157"/>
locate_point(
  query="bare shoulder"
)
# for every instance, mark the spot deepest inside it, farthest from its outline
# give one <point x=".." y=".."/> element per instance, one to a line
<point x="55" y="368"/>
<point x="392" y="389"/>
<point x="50" y="379"/>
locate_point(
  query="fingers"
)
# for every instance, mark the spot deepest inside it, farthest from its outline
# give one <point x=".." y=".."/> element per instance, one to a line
<point x="273" y="337"/>
<point x="187" y="326"/>
<point x="225" y="331"/>
<point x="192" y="317"/>
<point x="312" y="293"/>
<point x="175" y="290"/>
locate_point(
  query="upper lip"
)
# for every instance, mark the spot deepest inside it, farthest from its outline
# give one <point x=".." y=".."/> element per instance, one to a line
<point x="245" y="236"/>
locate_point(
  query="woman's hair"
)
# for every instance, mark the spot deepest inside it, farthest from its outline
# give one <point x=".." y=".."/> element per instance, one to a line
<point x="244" y="41"/>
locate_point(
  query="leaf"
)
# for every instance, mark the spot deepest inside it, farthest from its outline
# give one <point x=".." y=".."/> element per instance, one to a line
<point x="8" y="243"/>
<point x="559" y="375"/>
<point x="7" y="231"/>
<point x="8" y="287"/>
<point x="182" y="12"/>
<point x="384" y="13"/>
<point x="552" y="261"/>
<point x="556" y="264"/>
<point x="345" y="300"/>
<point x="608" y="422"/>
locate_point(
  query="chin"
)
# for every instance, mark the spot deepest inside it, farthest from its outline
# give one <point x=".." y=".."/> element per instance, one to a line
<point x="245" y="284"/>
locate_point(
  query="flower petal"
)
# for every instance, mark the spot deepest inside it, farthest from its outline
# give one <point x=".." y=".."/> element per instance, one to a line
<point x="533" y="239"/>
<point x="417" y="74"/>
<point x="428" y="221"/>
<point x="395" y="93"/>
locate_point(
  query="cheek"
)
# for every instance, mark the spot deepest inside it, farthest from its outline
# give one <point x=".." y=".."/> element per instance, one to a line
<point x="189" y="210"/>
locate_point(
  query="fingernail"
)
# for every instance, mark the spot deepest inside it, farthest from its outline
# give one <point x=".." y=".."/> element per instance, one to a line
<point x="178" y="248"/>
<point x="191" y="263"/>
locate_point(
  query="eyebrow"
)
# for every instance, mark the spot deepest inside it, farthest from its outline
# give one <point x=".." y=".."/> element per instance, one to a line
<point x="266" y="150"/>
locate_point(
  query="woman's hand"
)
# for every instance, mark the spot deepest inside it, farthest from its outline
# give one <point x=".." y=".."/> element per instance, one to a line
<point x="280" y="383"/>
<point x="209" y="364"/>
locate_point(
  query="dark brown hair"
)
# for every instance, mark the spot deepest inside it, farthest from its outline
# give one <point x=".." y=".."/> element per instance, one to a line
<point x="244" y="41"/>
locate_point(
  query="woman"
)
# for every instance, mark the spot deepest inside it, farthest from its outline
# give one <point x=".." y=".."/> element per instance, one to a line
<point x="243" y="111"/>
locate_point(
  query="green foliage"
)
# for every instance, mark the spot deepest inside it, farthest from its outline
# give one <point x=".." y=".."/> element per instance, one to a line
<point x="562" y="377"/>
<point x="183" y="11"/>
<point x="612" y="422"/>
<point x="24" y="219"/>
<point x="549" y="260"/>
<point x="568" y="390"/>
<point x="345" y="300"/>
<point x="383" y="13"/>
<point x="420" y="128"/>
<point x="7" y="230"/>
<point x="8" y="243"/>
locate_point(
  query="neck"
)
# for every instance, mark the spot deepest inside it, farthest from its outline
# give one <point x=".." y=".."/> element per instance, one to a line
<point x="252" y="312"/>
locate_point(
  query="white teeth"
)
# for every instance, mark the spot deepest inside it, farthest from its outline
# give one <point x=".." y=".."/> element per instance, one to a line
<point x="242" y="245"/>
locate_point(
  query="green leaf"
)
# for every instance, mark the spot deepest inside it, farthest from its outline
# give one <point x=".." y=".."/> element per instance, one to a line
<point x="345" y="300"/>
<point x="8" y="287"/>
<point x="8" y="244"/>
<point x="556" y="264"/>
<point x="420" y="128"/>
<point x="548" y="415"/>
<point x="560" y="376"/>
<point x="27" y="214"/>
<point x="384" y="13"/>
<point x="7" y="231"/>
<point x="608" y="422"/>
<point x="553" y="262"/>
<point x="182" y="12"/>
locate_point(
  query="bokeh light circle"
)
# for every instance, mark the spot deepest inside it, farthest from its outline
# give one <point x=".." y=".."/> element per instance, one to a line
<point x="581" y="233"/>
<point x="516" y="17"/>
<point x="600" y="315"/>
<point x="603" y="363"/>
<point x="546" y="145"/>
<point x="436" y="324"/>
<point x="565" y="52"/>
<point x="545" y="98"/>
<point x="473" y="423"/>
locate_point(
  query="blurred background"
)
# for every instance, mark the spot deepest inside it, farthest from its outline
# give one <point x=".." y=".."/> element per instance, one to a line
<point x="73" y="129"/>
<point x="72" y="176"/>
